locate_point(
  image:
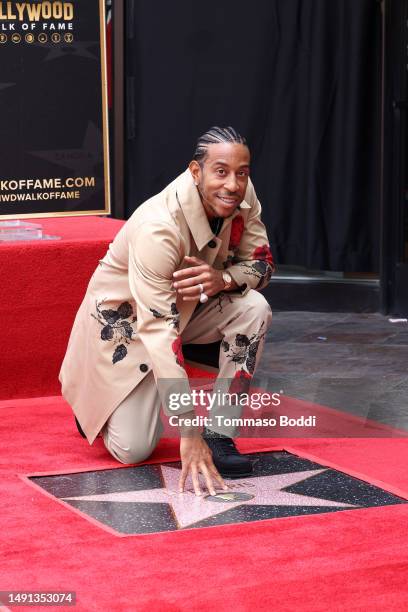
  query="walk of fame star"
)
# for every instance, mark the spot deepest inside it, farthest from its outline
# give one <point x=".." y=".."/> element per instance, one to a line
<point x="145" y="499"/>
<point x="81" y="161"/>
<point x="188" y="508"/>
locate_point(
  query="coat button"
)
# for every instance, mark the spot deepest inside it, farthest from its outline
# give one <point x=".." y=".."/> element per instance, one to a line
<point x="144" y="367"/>
<point x="212" y="244"/>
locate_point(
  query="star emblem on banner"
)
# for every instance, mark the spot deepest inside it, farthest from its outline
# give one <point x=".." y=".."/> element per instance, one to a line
<point x="80" y="161"/>
<point x="74" y="48"/>
<point x="188" y="509"/>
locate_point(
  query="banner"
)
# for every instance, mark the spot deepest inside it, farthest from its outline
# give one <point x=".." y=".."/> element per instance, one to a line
<point x="54" y="157"/>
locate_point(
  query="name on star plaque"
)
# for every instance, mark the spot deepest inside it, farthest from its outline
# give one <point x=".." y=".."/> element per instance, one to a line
<point x="54" y="150"/>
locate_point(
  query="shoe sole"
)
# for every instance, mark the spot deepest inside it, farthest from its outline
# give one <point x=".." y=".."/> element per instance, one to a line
<point x="235" y="476"/>
<point x="80" y="431"/>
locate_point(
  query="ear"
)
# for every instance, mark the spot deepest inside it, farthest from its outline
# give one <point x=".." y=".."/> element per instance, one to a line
<point x="195" y="170"/>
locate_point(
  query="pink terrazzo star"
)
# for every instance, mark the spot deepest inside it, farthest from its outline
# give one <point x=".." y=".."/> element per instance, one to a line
<point x="189" y="509"/>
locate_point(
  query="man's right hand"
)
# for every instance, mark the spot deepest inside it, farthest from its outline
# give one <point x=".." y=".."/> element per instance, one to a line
<point x="196" y="457"/>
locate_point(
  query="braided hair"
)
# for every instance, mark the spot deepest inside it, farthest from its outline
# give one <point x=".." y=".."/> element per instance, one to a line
<point x="215" y="135"/>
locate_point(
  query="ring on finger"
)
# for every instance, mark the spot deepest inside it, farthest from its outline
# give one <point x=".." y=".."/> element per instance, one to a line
<point x="201" y="288"/>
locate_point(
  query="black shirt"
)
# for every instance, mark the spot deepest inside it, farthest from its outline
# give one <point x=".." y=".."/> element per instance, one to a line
<point x="216" y="225"/>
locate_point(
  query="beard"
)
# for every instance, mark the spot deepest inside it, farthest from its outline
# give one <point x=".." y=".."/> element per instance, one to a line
<point x="210" y="208"/>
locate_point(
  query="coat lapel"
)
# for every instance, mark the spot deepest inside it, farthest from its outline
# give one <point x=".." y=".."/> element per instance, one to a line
<point x="193" y="210"/>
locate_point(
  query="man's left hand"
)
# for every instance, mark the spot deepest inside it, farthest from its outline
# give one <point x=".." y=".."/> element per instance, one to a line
<point x="187" y="281"/>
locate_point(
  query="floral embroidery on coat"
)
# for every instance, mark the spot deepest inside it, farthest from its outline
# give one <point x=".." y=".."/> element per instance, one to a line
<point x="261" y="265"/>
<point x="115" y="327"/>
<point x="259" y="269"/>
<point x="263" y="253"/>
<point x="243" y="350"/>
<point x="241" y="382"/>
<point x="173" y="318"/>
<point x="219" y="301"/>
<point x="178" y="351"/>
<point x="237" y="229"/>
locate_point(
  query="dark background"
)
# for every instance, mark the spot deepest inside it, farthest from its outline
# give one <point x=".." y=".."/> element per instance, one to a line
<point x="300" y="79"/>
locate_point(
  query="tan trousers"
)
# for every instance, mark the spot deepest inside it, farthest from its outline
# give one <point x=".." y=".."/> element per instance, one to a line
<point x="133" y="430"/>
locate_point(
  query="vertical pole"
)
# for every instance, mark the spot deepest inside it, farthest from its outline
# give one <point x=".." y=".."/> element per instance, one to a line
<point x="118" y="23"/>
<point x="384" y="224"/>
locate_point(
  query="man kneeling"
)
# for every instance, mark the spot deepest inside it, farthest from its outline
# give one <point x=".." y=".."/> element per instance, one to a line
<point x="185" y="268"/>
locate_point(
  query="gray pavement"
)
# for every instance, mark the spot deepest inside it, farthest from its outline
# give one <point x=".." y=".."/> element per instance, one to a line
<point x="357" y="363"/>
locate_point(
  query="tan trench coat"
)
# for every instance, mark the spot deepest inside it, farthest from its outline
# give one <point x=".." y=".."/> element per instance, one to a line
<point x="131" y="319"/>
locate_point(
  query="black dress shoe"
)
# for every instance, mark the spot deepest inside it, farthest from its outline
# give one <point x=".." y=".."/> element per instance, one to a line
<point x="79" y="428"/>
<point x="226" y="457"/>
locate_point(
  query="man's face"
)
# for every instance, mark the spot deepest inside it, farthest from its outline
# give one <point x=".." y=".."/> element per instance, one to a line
<point x="223" y="179"/>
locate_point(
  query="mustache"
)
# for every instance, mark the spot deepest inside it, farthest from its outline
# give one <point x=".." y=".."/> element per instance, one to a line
<point x="237" y="198"/>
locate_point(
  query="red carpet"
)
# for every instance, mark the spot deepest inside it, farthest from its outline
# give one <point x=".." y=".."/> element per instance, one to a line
<point x="42" y="285"/>
<point x="349" y="560"/>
